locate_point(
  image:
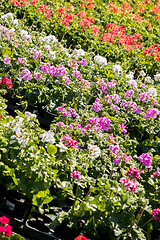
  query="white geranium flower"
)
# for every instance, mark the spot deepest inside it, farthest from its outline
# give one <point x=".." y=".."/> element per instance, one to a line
<point x="142" y="73"/>
<point x="100" y="60"/>
<point x="48" y="137"/>
<point x="157" y="77"/>
<point x="94" y="150"/>
<point x="153" y="91"/>
<point x="30" y="115"/>
<point x="132" y="83"/>
<point x="130" y="76"/>
<point x="77" y="53"/>
<point x="147" y="79"/>
<point x="117" y="70"/>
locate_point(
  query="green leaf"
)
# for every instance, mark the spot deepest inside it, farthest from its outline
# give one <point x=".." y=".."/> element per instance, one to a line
<point x="52" y="150"/>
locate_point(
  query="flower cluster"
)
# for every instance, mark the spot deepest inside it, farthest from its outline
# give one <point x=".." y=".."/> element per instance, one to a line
<point x="156" y="214"/>
<point x="5" y="228"/>
<point x="76" y="175"/>
<point x="131" y="186"/>
<point x="145" y="159"/>
<point x="133" y="173"/>
<point x="7" y="82"/>
<point x="69" y="142"/>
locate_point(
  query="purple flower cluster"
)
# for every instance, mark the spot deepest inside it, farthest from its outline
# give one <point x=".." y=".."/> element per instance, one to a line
<point x="145" y="97"/>
<point x="67" y="112"/>
<point x="129" y="93"/>
<point x="58" y="71"/>
<point x="26" y="74"/>
<point x="106" y="86"/>
<point x="145" y="159"/>
<point x="151" y="113"/>
<point x="97" y="106"/>
<point x="123" y="128"/>
<point x="100" y="123"/>
<point x="130" y="105"/>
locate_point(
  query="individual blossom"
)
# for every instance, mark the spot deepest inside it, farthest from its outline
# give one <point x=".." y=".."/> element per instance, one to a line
<point x="157" y="77"/>
<point x="81" y="237"/>
<point x="105" y="123"/>
<point x="142" y="73"/>
<point x="156" y="174"/>
<point x="151" y="113"/>
<point x="133" y="173"/>
<point x="130" y="76"/>
<point x="83" y="62"/>
<point x="60" y="125"/>
<point x="97" y="106"/>
<point x="130" y="186"/>
<point x="48" y="137"/>
<point x="145" y="159"/>
<point x="156" y="214"/>
<point x="4" y="220"/>
<point x="126" y="158"/>
<point x="76" y="175"/>
<point x="95" y="31"/>
<point x="153" y="91"/>
<point x="26" y="74"/>
<point x="132" y="83"/>
<point x="100" y="60"/>
<point x="116" y="160"/>
<point x="114" y="148"/>
<point x="77" y="53"/>
<point x="7" y="60"/>
<point x="123" y="128"/>
<point x="69" y="142"/>
<point x="117" y="69"/>
<point x="30" y="115"/>
<point x="85" y="84"/>
<point x="129" y="93"/>
<point x="147" y="79"/>
<point x="94" y="150"/>
<point x="7" y="82"/>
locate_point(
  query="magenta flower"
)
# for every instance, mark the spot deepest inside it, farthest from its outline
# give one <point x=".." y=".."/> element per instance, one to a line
<point x="7" y="60"/>
<point x="151" y="113"/>
<point x="130" y="186"/>
<point x="116" y="160"/>
<point x="114" y="148"/>
<point x="133" y="173"/>
<point x="145" y="159"/>
<point x="123" y="128"/>
<point x="60" y="125"/>
<point x="26" y="74"/>
<point x="156" y="214"/>
<point x="97" y="106"/>
<point x="156" y="174"/>
<point x="76" y="175"/>
<point x="105" y="123"/>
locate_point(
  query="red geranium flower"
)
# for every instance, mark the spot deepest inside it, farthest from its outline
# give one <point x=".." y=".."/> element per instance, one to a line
<point x="81" y="237"/>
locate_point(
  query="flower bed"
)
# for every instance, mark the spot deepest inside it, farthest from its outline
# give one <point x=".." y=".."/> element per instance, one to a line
<point x="95" y="172"/>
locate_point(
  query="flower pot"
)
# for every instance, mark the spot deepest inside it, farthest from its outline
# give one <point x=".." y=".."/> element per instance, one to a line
<point x="36" y="229"/>
<point x="16" y="207"/>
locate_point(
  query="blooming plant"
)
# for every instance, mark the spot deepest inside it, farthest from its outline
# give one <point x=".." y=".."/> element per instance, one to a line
<point x="95" y="65"/>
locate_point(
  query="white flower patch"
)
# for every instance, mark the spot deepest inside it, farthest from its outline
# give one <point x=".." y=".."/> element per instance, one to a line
<point x="48" y="137"/>
<point x="117" y="69"/>
<point x="94" y="150"/>
<point x="100" y="60"/>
